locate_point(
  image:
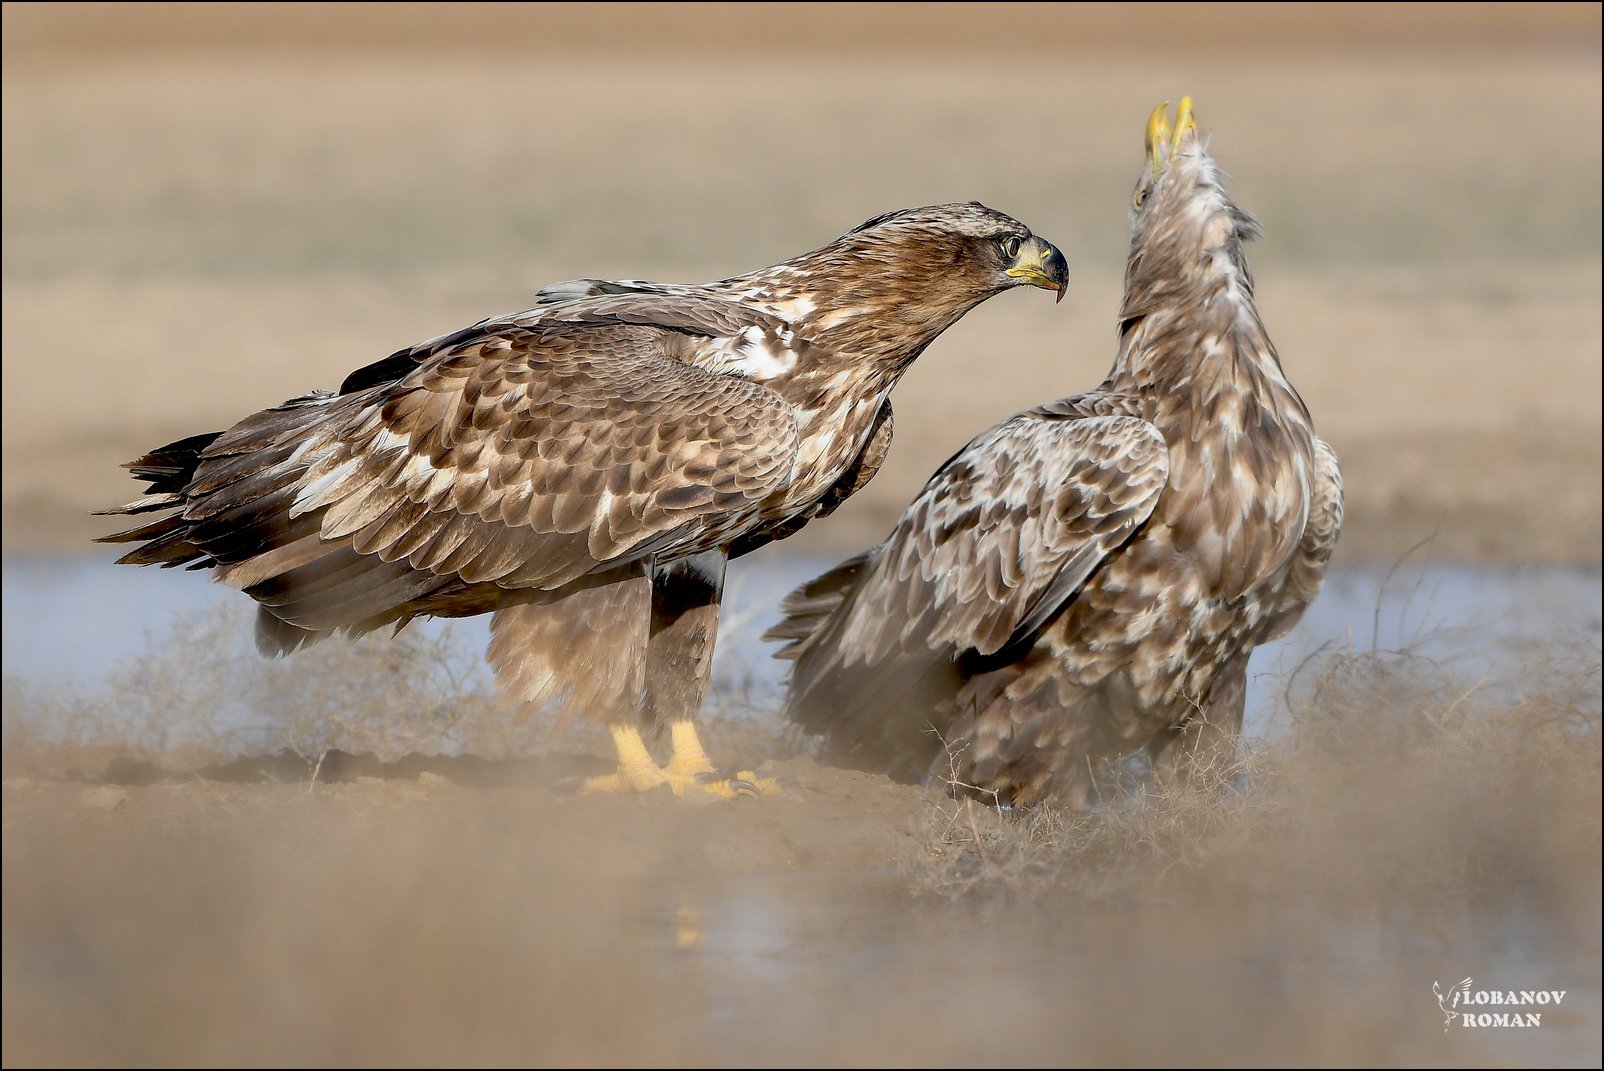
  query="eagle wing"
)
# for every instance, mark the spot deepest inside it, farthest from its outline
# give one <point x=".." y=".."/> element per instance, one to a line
<point x="857" y="475"/>
<point x="997" y="542"/>
<point x="1315" y="549"/>
<point x="525" y="452"/>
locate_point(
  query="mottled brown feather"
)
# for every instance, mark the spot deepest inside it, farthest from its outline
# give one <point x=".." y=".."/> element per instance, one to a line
<point x="1089" y="577"/>
<point x="983" y="556"/>
<point x="530" y="463"/>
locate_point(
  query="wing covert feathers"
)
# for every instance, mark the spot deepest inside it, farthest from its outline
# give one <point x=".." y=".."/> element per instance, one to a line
<point x="999" y="540"/>
<point x="527" y="453"/>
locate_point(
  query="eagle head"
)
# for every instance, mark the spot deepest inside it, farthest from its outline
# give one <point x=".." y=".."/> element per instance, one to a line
<point x="962" y="250"/>
<point x="1180" y="198"/>
<point x="883" y="291"/>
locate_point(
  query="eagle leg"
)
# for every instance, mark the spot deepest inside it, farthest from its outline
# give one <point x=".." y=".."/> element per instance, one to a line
<point x="587" y="651"/>
<point x="679" y="655"/>
<point x="679" y="659"/>
<point x="688" y="757"/>
<point x="686" y="595"/>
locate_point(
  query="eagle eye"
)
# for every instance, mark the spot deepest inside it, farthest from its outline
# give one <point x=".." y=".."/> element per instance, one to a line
<point x="1010" y="246"/>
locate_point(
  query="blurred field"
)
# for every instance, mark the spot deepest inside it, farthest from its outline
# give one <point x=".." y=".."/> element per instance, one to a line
<point x="386" y="905"/>
<point x="209" y="210"/>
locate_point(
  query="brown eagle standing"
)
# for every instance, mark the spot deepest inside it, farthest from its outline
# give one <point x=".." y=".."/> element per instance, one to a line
<point x="584" y="470"/>
<point x="1090" y="576"/>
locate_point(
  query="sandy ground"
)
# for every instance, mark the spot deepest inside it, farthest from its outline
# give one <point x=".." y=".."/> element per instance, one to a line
<point x="417" y="882"/>
<point x="206" y="213"/>
<point x="173" y="909"/>
<point x="209" y="209"/>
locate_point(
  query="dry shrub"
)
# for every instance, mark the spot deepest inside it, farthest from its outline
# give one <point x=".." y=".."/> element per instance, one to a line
<point x="418" y="691"/>
<point x="1388" y="772"/>
<point x="1399" y="781"/>
<point x="1142" y="829"/>
<point x="421" y="690"/>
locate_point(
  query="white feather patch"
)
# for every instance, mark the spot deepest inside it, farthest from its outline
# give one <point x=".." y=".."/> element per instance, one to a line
<point x="793" y="309"/>
<point x="388" y="440"/>
<point x="321" y="491"/>
<point x="760" y="357"/>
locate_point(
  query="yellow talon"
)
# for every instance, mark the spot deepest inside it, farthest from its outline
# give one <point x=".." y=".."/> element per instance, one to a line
<point x="754" y="785"/>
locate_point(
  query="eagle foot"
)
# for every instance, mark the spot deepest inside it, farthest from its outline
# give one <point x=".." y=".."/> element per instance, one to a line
<point x="688" y="774"/>
<point x="637" y="781"/>
<point x="741" y="783"/>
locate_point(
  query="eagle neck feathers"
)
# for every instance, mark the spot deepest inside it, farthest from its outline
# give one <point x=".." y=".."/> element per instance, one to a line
<point x="1195" y="353"/>
<point x="1190" y="330"/>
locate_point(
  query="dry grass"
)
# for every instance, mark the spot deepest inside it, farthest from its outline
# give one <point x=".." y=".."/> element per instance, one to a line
<point x="1399" y="768"/>
<point x="1398" y="780"/>
<point x="387" y="700"/>
<point x="390" y="696"/>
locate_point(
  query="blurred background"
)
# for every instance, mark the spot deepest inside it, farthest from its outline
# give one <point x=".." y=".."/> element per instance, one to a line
<point x="210" y="208"/>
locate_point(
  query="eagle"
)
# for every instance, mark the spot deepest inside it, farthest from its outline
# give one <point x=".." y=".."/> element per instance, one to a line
<point x="583" y="470"/>
<point x="1089" y="577"/>
<point x="1455" y="996"/>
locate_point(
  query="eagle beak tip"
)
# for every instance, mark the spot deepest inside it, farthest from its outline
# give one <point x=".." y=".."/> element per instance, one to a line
<point x="1058" y="270"/>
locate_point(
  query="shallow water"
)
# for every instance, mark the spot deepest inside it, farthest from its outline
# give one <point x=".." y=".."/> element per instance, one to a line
<point x="357" y="926"/>
<point x="1064" y="979"/>
<point x="70" y="620"/>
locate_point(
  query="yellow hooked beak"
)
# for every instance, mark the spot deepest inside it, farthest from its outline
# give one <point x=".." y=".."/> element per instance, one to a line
<point x="1161" y="142"/>
<point x="1158" y="134"/>
<point x="1039" y="263"/>
<point x="1185" y="124"/>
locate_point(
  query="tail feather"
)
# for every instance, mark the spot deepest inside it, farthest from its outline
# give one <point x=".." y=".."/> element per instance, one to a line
<point x="274" y="426"/>
<point x="251" y="462"/>
<point x="231" y="500"/>
<point x="807" y="609"/>
<point x="165" y="543"/>
<point x="243" y="476"/>
<point x="231" y="494"/>
<point x="153" y="500"/>
<point x="168" y="469"/>
<point x="366" y="589"/>
<point x="276" y="637"/>
<point x="252" y="526"/>
<point x="870" y="716"/>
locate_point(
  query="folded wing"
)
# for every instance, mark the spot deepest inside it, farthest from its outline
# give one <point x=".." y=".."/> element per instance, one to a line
<point x="1001" y="538"/>
<point x="527" y="452"/>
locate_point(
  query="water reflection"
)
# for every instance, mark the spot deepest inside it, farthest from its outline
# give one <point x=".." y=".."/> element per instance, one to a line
<point x="71" y="619"/>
